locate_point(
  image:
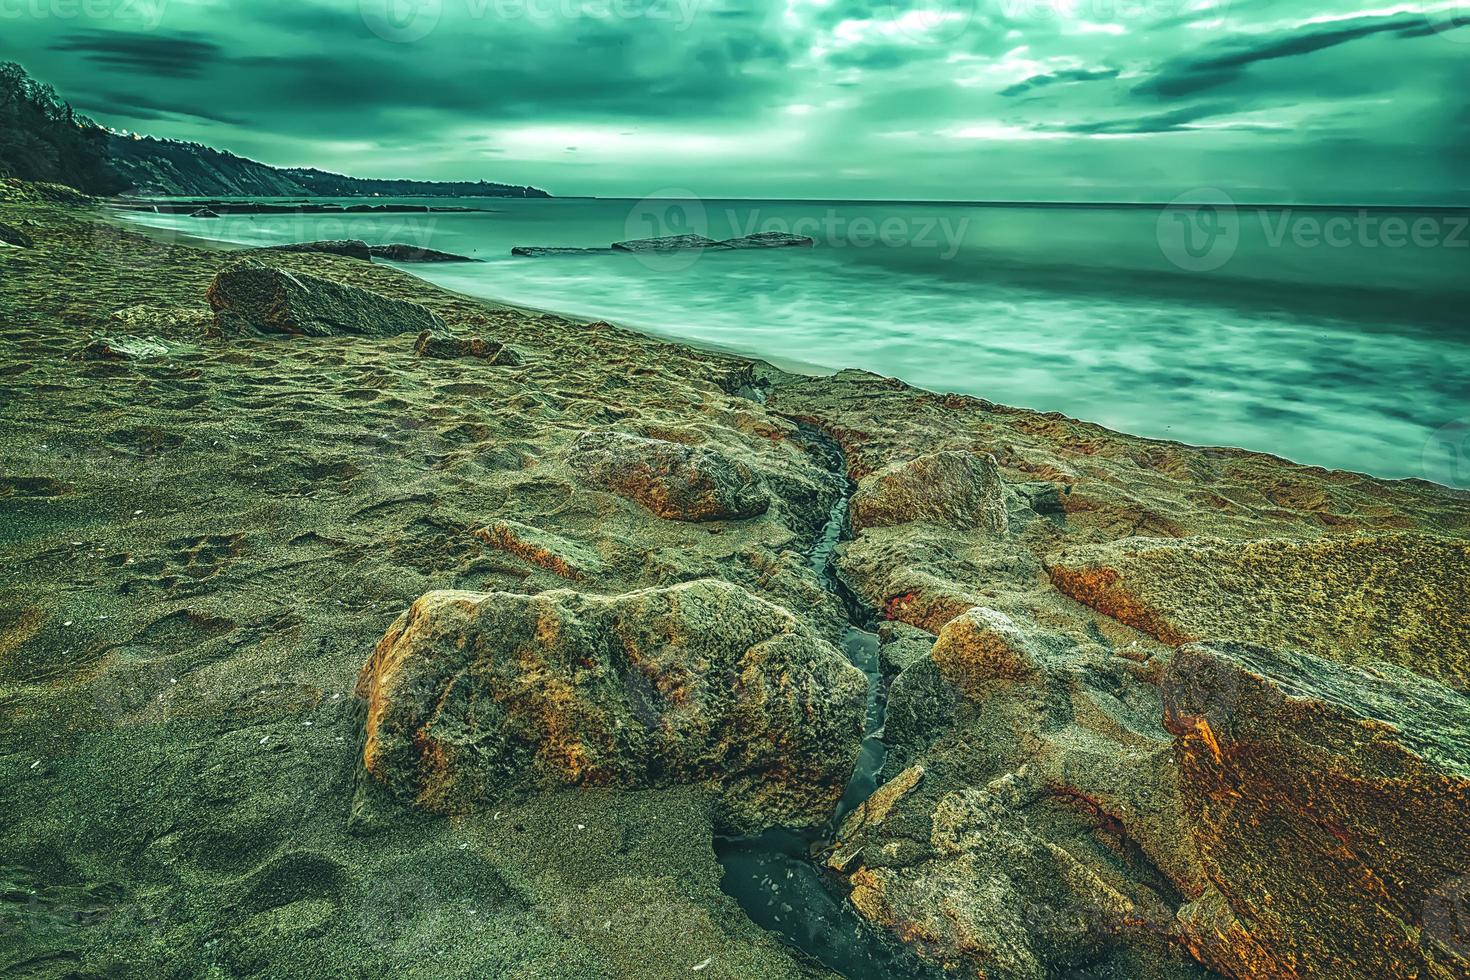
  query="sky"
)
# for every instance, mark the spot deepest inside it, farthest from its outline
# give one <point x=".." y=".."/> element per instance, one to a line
<point x="1131" y="100"/>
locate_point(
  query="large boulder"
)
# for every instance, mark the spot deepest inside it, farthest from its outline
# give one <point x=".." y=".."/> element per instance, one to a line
<point x="250" y="296"/>
<point x="473" y="697"/>
<point x="1328" y="804"/>
<point x="674" y="480"/>
<point x="959" y="490"/>
<point x="1354" y="600"/>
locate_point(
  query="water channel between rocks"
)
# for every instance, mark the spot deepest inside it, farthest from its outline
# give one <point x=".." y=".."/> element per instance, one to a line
<point x="773" y="876"/>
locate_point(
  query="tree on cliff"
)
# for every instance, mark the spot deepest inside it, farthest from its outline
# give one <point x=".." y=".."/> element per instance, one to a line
<point x="42" y="138"/>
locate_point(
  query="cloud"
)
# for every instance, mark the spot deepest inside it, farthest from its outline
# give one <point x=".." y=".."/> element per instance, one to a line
<point x="1226" y="61"/>
<point x="1073" y="75"/>
<point x="161" y="55"/>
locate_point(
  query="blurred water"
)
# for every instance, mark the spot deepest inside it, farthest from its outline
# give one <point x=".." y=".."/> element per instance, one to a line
<point x="1333" y="338"/>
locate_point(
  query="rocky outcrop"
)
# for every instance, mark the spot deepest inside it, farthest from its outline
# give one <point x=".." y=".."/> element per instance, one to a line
<point x="669" y="243"/>
<point x="1354" y="600"/>
<point x="539" y="251"/>
<point x="1328" y="804"/>
<point x="14" y="237"/>
<point x="674" y="480"/>
<point x="351" y="248"/>
<point x="769" y="239"/>
<point x="955" y="489"/>
<point x="398" y="252"/>
<point x="433" y="343"/>
<point x="253" y="297"/>
<point x="474" y="697"/>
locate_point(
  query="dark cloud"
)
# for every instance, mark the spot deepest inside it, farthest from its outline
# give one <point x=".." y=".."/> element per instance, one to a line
<point x="1074" y="75"/>
<point x="162" y="55"/>
<point x="1226" y="61"/>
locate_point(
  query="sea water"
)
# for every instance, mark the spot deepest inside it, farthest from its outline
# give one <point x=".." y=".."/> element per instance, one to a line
<point x="1337" y="338"/>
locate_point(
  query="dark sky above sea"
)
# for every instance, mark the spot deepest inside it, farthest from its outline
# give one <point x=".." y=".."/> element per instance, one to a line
<point x="1267" y="100"/>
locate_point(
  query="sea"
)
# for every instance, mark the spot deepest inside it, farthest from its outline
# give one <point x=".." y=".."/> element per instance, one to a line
<point x="1335" y="337"/>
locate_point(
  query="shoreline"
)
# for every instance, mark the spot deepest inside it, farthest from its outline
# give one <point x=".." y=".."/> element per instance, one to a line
<point x="337" y="654"/>
<point x="789" y="365"/>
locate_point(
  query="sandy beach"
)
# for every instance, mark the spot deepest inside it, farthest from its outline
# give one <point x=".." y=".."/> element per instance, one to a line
<point x="1117" y="672"/>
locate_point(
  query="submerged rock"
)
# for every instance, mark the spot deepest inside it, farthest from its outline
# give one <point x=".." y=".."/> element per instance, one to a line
<point x="675" y="481"/>
<point x="955" y="489"/>
<point x="14" y="237"/>
<point x="350" y="248"/>
<point x="204" y="213"/>
<point x="669" y="243"/>
<point x="770" y="239"/>
<point x="1354" y="600"/>
<point x="473" y="697"/>
<point x="251" y="296"/>
<point x="538" y="251"/>
<point x="432" y="343"/>
<point x="398" y="252"/>
<point x="1328" y="805"/>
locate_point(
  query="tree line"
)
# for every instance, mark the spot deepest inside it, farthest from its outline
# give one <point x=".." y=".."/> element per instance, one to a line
<point x="42" y="138"/>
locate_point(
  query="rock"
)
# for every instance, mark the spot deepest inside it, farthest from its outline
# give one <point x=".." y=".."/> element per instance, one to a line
<point x="124" y="348"/>
<point x="14" y="237"/>
<point x="769" y="239"/>
<point x="474" y="697"/>
<point x="191" y="321"/>
<point x="954" y="489"/>
<point x="1328" y="805"/>
<point x="538" y="251"/>
<point x="673" y="480"/>
<point x="351" y="249"/>
<point x="1353" y="600"/>
<point x="550" y="551"/>
<point x="414" y="253"/>
<point x="670" y="243"/>
<point x="204" y="213"/>
<point x="900" y="646"/>
<point x="250" y="296"/>
<point x="432" y="343"/>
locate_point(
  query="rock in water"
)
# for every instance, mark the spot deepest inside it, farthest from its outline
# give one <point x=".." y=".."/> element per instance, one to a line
<point x="14" y="237"/>
<point x="432" y="344"/>
<point x="1354" y="600"/>
<point x="413" y="253"/>
<point x="1328" y="804"/>
<point x="539" y="251"/>
<point x="954" y="489"/>
<point x="670" y="243"/>
<point x="251" y="296"/>
<point x="675" y="481"/>
<point x="473" y="697"/>
<point x="204" y="213"/>
<point x="770" y="239"/>
<point x="351" y="248"/>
